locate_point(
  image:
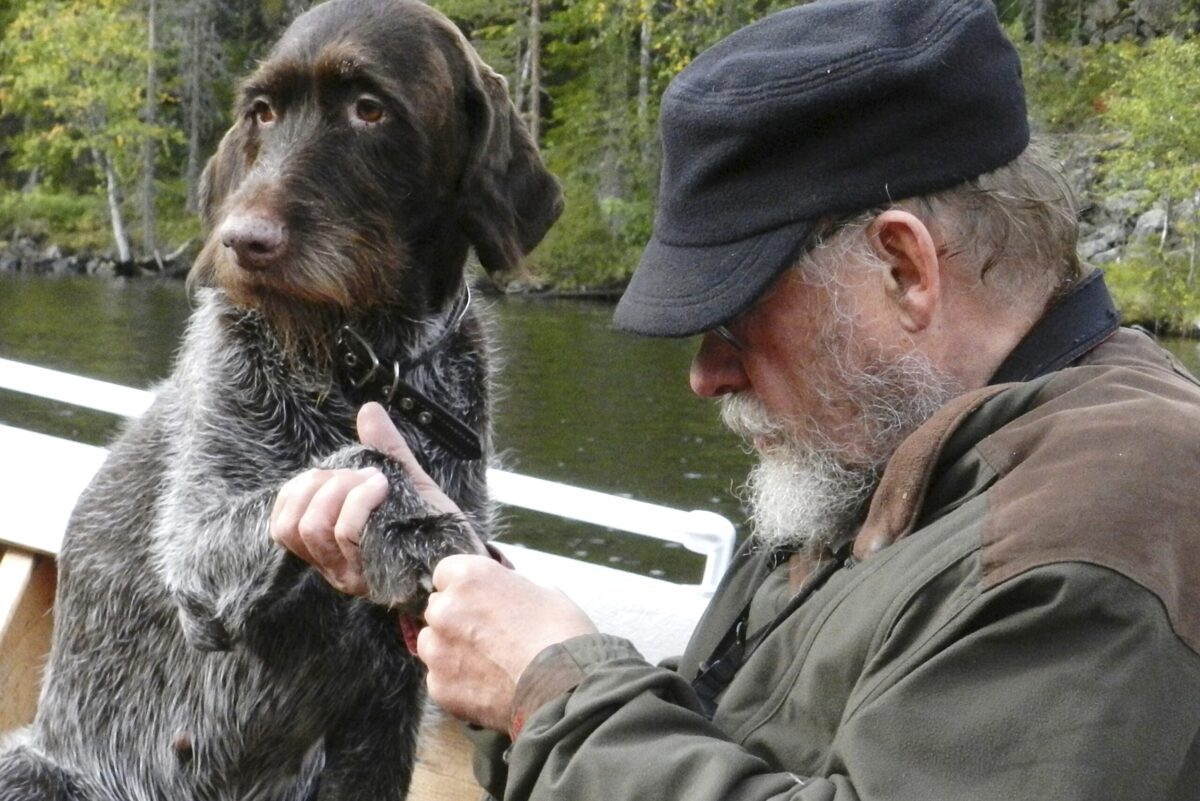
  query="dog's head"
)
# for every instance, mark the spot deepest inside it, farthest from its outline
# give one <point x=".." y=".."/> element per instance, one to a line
<point x="369" y="151"/>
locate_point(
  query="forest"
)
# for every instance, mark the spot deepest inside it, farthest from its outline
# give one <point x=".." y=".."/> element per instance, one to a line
<point x="109" y="108"/>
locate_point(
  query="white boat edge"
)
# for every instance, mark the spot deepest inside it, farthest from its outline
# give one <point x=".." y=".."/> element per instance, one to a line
<point x="41" y="476"/>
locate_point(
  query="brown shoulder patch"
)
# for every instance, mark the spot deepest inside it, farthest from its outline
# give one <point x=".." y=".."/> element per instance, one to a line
<point x="897" y="501"/>
<point x="1103" y="471"/>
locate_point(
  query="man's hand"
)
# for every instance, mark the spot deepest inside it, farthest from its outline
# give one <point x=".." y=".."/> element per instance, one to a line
<point x="485" y="624"/>
<point x="320" y="514"/>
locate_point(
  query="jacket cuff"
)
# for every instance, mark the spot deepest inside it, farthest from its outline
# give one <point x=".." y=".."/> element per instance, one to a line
<point x="559" y="669"/>
<point x="490" y="759"/>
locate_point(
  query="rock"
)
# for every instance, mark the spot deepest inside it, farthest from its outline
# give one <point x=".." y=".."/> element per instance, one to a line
<point x="1103" y="12"/>
<point x="1157" y="15"/>
<point x="1186" y="209"/>
<point x="1088" y="248"/>
<point x="102" y="268"/>
<point x="1106" y="256"/>
<point x="1124" y="30"/>
<point x="1081" y="176"/>
<point x="1150" y="224"/>
<point x="1112" y="234"/>
<point x="1122" y="208"/>
<point x="52" y="253"/>
<point x="1098" y="17"/>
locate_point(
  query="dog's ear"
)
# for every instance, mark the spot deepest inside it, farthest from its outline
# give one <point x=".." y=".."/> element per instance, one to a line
<point x="222" y="174"/>
<point x="511" y="198"/>
<point x="224" y="171"/>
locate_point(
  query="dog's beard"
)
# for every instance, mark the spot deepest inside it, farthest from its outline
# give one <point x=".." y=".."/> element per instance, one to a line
<point x="809" y="489"/>
<point x="304" y="302"/>
<point x="300" y="330"/>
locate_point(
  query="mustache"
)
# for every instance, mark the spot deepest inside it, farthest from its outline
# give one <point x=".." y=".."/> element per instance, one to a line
<point x="745" y="415"/>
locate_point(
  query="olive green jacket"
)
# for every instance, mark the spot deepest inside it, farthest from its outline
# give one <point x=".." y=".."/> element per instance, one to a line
<point x="1033" y="633"/>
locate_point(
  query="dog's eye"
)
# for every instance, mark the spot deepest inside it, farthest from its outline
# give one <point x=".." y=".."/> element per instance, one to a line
<point x="262" y="112"/>
<point x="367" y="111"/>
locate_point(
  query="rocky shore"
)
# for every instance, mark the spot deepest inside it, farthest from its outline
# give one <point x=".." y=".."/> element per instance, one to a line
<point x="1110" y="227"/>
<point x="25" y="254"/>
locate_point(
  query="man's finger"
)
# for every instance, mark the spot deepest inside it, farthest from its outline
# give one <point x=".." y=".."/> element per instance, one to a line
<point x="360" y="502"/>
<point x="316" y="526"/>
<point x="454" y="569"/>
<point x="376" y="430"/>
<point x="290" y="504"/>
<point x="293" y="498"/>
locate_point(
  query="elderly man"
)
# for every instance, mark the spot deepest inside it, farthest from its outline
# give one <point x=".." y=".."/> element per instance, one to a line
<point x="976" y="529"/>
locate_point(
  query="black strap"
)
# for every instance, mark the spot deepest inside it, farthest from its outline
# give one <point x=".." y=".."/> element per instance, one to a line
<point x="373" y="380"/>
<point x="734" y="650"/>
<point x="1071" y="328"/>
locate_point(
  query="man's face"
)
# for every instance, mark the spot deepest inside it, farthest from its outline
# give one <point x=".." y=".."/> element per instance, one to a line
<point x="786" y="362"/>
<point x="824" y="393"/>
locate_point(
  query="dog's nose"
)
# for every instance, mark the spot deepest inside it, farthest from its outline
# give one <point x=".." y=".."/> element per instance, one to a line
<point x="257" y="240"/>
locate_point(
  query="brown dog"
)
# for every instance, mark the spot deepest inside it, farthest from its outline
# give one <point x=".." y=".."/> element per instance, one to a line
<point x="193" y="658"/>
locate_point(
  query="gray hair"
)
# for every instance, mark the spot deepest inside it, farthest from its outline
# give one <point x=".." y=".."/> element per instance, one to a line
<point x="1014" y="229"/>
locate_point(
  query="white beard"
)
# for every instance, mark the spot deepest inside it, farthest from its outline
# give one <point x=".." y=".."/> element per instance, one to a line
<point x="806" y="501"/>
<point x="808" y="492"/>
<point x="800" y="496"/>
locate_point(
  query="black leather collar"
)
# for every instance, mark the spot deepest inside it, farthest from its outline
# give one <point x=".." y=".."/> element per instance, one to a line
<point x="1071" y="328"/>
<point x="368" y="379"/>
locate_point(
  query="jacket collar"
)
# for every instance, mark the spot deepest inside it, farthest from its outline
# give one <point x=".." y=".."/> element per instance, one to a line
<point x="1072" y="327"/>
<point x="1069" y="330"/>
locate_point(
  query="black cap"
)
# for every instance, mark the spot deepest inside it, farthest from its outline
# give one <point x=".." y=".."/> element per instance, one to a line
<point x="822" y="110"/>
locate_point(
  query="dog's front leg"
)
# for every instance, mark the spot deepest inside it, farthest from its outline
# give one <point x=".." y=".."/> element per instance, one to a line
<point x="220" y="565"/>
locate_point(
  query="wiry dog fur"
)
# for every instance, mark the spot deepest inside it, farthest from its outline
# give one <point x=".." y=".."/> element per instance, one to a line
<point x="193" y="658"/>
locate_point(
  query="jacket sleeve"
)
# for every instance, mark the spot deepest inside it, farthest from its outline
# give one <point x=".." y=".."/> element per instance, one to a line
<point x="1067" y="682"/>
<point x="630" y="730"/>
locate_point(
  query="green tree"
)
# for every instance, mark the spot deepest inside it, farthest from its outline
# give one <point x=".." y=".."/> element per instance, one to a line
<point x="77" y="71"/>
<point x="499" y="31"/>
<point x="605" y="63"/>
<point x="1154" y="111"/>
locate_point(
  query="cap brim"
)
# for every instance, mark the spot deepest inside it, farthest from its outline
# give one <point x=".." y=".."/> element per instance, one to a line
<point x="678" y="291"/>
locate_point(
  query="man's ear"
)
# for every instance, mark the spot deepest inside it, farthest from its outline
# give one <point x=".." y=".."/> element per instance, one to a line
<point x="913" y="281"/>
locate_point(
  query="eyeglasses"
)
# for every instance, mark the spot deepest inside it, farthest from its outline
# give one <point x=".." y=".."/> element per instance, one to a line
<point x="728" y="337"/>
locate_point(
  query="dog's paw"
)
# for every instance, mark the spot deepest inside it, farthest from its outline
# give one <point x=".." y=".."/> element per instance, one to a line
<point x="354" y="457"/>
<point x="399" y="556"/>
<point x="405" y="537"/>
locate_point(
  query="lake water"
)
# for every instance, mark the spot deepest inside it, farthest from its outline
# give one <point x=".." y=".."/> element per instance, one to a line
<point x="579" y="402"/>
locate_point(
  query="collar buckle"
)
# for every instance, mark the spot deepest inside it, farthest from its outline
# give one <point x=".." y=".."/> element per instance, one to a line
<point x="368" y="377"/>
<point x="358" y="358"/>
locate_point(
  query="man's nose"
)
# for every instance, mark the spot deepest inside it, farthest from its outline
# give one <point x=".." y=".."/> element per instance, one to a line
<point x="717" y="368"/>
